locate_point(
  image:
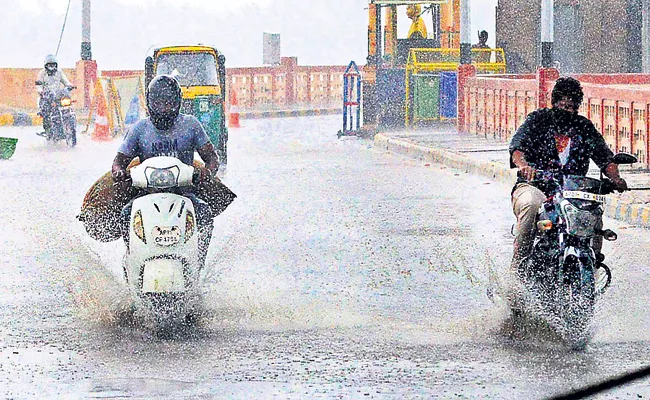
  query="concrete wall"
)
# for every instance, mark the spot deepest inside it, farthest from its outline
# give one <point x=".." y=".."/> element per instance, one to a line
<point x="17" y="88"/>
<point x="592" y="36"/>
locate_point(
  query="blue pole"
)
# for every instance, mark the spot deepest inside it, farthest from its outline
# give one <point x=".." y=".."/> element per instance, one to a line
<point x="345" y="103"/>
<point x="358" y="101"/>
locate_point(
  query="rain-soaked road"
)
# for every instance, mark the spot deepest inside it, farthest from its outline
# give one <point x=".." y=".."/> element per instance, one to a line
<point x="339" y="272"/>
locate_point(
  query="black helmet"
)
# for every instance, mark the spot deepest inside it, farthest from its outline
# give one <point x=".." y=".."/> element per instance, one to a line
<point x="567" y="87"/>
<point x="163" y="101"/>
<point x="51" y="64"/>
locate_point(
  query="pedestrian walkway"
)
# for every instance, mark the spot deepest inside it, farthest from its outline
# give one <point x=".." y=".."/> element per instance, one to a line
<point x="490" y="157"/>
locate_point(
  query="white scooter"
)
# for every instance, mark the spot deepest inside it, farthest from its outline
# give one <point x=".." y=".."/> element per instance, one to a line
<point x="161" y="263"/>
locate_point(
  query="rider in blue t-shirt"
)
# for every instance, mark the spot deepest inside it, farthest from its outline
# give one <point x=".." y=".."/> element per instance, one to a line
<point x="167" y="132"/>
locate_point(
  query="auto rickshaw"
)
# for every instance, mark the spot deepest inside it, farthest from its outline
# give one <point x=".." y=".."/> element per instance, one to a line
<point x="201" y="72"/>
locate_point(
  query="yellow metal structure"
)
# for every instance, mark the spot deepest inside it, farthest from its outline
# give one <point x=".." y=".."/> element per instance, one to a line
<point x="450" y="24"/>
<point x="487" y="61"/>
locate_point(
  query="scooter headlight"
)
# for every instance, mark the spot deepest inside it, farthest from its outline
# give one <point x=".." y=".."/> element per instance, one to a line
<point x="65" y="102"/>
<point x="162" y="178"/>
<point x="189" y="226"/>
<point x="138" y="227"/>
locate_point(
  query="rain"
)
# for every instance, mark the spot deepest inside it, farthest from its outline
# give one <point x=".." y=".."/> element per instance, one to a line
<point x="363" y="235"/>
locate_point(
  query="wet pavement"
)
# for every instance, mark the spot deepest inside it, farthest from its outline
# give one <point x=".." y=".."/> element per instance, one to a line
<point x="339" y="272"/>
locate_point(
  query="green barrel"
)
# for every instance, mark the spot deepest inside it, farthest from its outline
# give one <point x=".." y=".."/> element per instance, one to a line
<point x="426" y="97"/>
<point x="7" y="147"/>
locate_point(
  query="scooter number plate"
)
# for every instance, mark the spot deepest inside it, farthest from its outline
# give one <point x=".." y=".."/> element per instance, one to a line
<point x="575" y="194"/>
<point x="166" y="236"/>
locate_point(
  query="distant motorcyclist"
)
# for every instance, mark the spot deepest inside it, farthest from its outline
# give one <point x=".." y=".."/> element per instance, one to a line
<point x="49" y="81"/>
<point x="167" y="132"/>
<point x="554" y="139"/>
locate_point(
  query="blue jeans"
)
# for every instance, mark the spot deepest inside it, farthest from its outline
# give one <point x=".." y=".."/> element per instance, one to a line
<point x="204" y="220"/>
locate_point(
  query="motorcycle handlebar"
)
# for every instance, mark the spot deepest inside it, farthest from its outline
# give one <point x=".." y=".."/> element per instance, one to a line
<point x="607" y="186"/>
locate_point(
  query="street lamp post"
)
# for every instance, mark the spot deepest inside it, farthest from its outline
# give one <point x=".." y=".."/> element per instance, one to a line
<point x="86" y="68"/>
<point x="465" y="34"/>
<point x="547" y="33"/>
<point x="466" y="70"/>
<point x="86" y="53"/>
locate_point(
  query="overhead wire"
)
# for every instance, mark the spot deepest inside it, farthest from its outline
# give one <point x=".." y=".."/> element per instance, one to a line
<point x="63" y="28"/>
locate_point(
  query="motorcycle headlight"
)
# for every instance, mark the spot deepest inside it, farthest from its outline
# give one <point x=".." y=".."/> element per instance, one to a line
<point x="138" y="227"/>
<point x="65" y="102"/>
<point x="162" y="178"/>
<point x="579" y="222"/>
<point x="189" y="226"/>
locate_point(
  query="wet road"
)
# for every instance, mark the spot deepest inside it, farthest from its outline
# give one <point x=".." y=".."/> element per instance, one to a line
<point x="339" y="272"/>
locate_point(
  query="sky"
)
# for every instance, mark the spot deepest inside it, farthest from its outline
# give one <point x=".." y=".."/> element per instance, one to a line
<point x="318" y="32"/>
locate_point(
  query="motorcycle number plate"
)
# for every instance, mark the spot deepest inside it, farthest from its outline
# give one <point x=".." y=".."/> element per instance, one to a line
<point x="575" y="194"/>
<point x="166" y="236"/>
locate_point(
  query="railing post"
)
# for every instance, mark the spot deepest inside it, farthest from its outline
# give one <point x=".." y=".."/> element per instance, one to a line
<point x="545" y="75"/>
<point x="465" y="71"/>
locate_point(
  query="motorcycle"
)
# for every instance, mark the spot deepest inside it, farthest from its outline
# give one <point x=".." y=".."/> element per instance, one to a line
<point x="57" y="107"/>
<point x="161" y="263"/>
<point x="563" y="275"/>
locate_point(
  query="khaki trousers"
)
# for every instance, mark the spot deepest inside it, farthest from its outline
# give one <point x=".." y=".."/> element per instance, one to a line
<point x="526" y="201"/>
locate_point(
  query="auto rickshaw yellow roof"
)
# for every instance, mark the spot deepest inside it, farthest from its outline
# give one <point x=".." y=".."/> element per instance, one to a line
<point x="185" y="48"/>
<point x="182" y="48"/>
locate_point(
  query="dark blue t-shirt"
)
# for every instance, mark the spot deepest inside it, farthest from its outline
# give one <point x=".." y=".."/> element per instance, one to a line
<point x="181" y="140"/>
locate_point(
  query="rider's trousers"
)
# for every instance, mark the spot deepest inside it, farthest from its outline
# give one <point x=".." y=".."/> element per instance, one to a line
<point x="526" y="201"/>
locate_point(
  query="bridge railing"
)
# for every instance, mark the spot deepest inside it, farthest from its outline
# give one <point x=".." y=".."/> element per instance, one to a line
<point x="618" y="105"/>
<point x="285" y="86"/>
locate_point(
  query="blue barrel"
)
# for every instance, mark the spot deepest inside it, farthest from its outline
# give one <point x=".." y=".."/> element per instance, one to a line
<point x="448" y="95"/>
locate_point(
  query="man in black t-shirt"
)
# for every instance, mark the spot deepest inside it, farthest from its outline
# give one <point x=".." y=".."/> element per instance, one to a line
<point x="554" y="139"/>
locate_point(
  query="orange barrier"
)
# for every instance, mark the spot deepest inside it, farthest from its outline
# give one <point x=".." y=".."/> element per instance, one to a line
<point x="619" y="106"/>
<point x="233" y="113"/>
<point x="101" y="131"/>
<point x="19" y="89"/>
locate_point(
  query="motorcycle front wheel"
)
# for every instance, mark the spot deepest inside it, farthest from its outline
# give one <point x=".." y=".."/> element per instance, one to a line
<point x="576" y="302"/>
<point x="71" y="133"/>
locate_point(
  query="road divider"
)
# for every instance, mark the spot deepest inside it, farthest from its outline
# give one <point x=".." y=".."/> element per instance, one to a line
<point x="20" y="119"/>
<point x="289" y="113"/>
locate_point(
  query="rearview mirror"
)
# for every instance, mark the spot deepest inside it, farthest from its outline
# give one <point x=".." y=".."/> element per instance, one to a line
<point x="148" y="71"/>
<point x="624" y="158"/>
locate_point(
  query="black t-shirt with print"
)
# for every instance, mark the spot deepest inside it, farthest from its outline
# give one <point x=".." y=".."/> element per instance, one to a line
<point x="536" y="139"/>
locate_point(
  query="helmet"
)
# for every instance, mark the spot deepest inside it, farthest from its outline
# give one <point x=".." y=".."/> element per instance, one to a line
<point x="163" y="101"/>
<point x="51" y="64"/>
<point x="567" y="87"/>
<point x="413" y="11"/>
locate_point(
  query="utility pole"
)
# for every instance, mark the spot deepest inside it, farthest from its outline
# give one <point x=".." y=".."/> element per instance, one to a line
<point x="466" y="70"/>
<point x="86" y="53"/>
<point x="645" y="36"/>
<point x="465" y="34"/>
<point x="86" y="67"/>
<point x="547" y="33"/>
